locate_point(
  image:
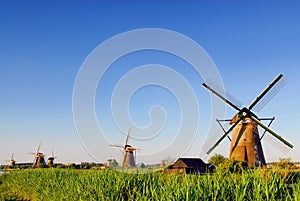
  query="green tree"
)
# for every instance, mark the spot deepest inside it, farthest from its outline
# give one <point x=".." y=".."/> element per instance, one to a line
<point x="217" y="159"/>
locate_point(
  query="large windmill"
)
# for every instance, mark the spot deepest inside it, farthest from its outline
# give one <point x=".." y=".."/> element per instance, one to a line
<point x="245" y="140"/>
<point x="128" y="159"/>
<point x="38" y="157"/>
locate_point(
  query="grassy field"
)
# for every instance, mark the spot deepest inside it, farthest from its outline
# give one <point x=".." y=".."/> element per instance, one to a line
<point x="63" y="184"/>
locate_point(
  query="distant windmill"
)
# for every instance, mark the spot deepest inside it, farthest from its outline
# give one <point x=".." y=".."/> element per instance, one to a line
<point x="38" y="158"/>
<point x="245" y="141"/>
<point x="12" y="161"/>
<point x="128" y="159"/>
<point x="50" y="161"/>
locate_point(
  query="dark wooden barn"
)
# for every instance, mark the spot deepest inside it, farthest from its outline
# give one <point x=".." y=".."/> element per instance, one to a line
<point x="188" y="166"/>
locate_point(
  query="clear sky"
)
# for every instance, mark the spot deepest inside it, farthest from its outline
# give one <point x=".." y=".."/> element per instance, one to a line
<point x="43" y="46"/>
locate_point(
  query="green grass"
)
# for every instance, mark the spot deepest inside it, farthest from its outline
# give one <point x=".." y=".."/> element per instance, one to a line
<point x="62" y="184"/>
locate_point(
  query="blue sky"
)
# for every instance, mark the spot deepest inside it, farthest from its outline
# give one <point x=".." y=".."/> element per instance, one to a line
<point x="43" y="46"/>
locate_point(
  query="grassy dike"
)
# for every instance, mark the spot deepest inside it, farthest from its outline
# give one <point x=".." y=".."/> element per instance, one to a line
<point x="63" y="184"/>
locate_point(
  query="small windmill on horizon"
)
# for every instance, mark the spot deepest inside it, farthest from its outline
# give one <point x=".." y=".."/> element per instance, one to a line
<point x="12" y="161"/>
<point x="128" y="158"/>
<point x="39" y="157"/>
<point x="50" y="160"/>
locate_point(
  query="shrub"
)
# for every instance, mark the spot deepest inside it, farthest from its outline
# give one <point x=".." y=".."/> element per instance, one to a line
<point x="217" y="159"/>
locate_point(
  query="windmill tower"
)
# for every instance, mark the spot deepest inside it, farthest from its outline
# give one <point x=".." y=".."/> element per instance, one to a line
<point x="128" y="159"/>
<point x="245" y="141"/>
<point x="50" y="161"/>
<point x="38" y="158"/>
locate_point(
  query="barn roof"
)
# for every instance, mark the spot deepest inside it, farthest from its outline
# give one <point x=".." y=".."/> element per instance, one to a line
<point x="189" y="163"/>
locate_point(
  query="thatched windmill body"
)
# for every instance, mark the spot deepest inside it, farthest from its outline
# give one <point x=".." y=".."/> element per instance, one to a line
<point x="246" y="141"/>
<point x="129" y="153"/>
<point x="39" y="158"/>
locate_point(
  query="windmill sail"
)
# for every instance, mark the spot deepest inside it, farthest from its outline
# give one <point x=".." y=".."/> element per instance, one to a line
<point x="268" y="93"/>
